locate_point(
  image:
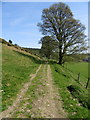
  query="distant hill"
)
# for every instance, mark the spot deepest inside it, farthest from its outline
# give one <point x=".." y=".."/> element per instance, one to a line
<point x="35" y="51"/>
<point x="3" y="41"/>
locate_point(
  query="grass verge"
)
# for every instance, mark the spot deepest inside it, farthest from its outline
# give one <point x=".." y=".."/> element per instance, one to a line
<point x="16" y="69"/>
<point x="63" y="78"/>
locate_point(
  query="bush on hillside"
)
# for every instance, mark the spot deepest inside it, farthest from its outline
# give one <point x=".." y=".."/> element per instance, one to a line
<point x="10" y="41"/>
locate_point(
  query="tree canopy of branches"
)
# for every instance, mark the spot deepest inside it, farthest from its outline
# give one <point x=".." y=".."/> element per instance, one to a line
<point x="49" y="45"/>
<point x="58" y="21"/>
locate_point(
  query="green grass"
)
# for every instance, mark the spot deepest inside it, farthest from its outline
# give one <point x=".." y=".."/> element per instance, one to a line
<point x="33" y="93"/>
<point x="78" y="67"/>
<point x="16" y="70"/>
<point x="72" y="102"/>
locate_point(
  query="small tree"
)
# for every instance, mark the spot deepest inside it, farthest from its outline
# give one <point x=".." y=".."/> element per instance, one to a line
<point x="58" y="22"/>
<point x="49" y="46"/>
<point x="10" y="41"/>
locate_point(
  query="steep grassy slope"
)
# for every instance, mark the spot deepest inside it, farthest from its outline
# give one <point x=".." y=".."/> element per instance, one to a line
<point x="73" y="92"/>
<point x="35" y="51"/>
<point x="16" y="69"/>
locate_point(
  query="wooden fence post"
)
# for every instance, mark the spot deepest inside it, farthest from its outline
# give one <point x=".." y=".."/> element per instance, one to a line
<point x="87" y="82"/>
<point x="78" y="77"/>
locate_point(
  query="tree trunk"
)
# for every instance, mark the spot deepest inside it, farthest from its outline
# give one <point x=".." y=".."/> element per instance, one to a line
<point x="60" y="59"/>
<point x="48" y="54"/>
<point x="59" y="37"/>
<point x="60" y="55"/>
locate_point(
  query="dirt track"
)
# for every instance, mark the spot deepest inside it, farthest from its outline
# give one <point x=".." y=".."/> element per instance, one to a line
<point x="47" y="105"/>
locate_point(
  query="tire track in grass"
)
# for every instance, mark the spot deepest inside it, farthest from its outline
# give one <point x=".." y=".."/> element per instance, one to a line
<point x="34" y="91"/>
<point x="22" y="92"/>
<point x="55" y="105"/>
<point x="49" y="105"/>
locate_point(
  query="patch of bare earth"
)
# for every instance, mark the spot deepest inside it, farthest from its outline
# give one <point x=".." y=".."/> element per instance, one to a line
<point x="48" y="105"/>
<point x="19" y="98"/>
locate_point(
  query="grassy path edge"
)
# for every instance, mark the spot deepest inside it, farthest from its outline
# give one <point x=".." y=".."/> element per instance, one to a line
<point x="6" y="113"/>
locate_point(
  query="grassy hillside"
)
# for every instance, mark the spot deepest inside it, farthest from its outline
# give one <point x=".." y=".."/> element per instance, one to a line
<point x="34" y="51"/>
<point x="70" y="79"/>
<point x="78" y="67"/>
<point x="16" y="68"/>
<point x="73" y="92"/>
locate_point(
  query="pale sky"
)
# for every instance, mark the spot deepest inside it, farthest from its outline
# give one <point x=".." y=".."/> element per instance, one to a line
<point x="19" y="20"/>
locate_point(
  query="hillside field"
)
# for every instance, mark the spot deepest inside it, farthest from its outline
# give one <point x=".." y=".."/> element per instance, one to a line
<point x="16" y="69"/>
<point x="19" y="67"/>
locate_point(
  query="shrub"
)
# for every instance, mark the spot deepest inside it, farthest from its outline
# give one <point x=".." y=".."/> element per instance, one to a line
<point x="10" y="41"/>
